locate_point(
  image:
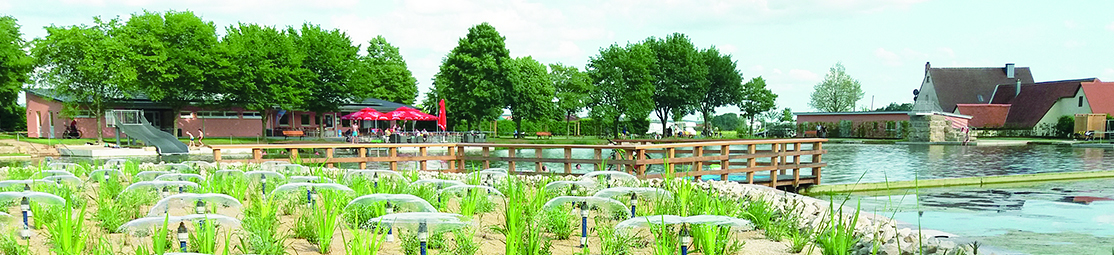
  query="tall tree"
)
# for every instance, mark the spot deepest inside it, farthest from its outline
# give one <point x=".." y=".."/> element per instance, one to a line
<point x="726" y="121"/>
<point x="837" y="93"/>
<point x="532" y="91"/>
<point x="472" y="79"/>
<point x="572" y="88"/>
<point x="388" y="74"/>
<point x="172" y="54"/>
<point x="756" y="100"/>
<point x="787" y="115"/>
<point x="332" y="62"/>
<point x="680" y="76"/>
<point x="15" y="67"/>
<point x="264" y="71"/>
<point x="86" y="64"/>
<point x="725" y="83"/>
<point x="623" y="84"/>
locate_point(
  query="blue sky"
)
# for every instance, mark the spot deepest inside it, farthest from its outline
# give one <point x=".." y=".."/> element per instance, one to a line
<point x="792" y="44"/>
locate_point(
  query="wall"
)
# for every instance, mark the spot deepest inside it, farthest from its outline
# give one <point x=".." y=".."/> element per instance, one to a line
<point x="1064" y="106"/>
<point x="219" y="126"/>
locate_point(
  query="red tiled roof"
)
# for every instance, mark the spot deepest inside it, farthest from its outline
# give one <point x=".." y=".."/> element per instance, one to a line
<point x="1099" y="95"/>
<point x="985" y="115"/>
<point x="969" y="85"/>
<point x="1034" y="101"/>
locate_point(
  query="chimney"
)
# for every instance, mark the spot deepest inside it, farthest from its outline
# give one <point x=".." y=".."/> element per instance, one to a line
<point x="1009" y="70"/>
<point x="1016" y="89"/>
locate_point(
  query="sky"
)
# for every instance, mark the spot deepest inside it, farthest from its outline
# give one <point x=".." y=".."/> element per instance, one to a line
<point x="790" y="43"/>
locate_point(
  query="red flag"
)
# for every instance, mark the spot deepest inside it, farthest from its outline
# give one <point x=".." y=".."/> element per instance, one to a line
<point x="441" y="122"/>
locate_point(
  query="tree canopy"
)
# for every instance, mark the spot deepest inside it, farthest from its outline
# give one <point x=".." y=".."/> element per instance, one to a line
<point x="895" y="107"/>
<point x="680" y="76"/>
<point x="532" y="89"/>
<point x="472" y="78"/>
<point x="15" y="69"/>
<point x="85" y="64"/>
<point x="756" y="99"/>
<point x="838" y="92"/>
<point x="725" y="83"/>
<point x="623" y="79"/>
<point x="572" y="87"/>
<point x="387" y="74"/>
<point x="265" y="71"/>
<point x="726" y="121"/>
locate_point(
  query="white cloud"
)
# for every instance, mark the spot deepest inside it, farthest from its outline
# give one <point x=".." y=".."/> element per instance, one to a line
<point x="1074" y="44"/>
<point x="1110" y="27"/>
<point x="1108" y="73"/>
<point x="947" y="51"/>
<point x="803" y="75"/>
<point x="887" y="57"/>
<point x="1071" y="24"/>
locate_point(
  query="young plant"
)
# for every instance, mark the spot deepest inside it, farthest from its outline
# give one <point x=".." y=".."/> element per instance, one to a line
<point x="9" y="244"/>
<point x="261" y="227"/>
<point x="715" y="240"/>
<point x="839" y="235"/>
<point x="559" y="222"/>
<point x="204" y="238"/>
<point x="325" y="220"/>
<point x="364" y="242"/>
<point x="612" y="241"/>
<point x="464" y="242"/>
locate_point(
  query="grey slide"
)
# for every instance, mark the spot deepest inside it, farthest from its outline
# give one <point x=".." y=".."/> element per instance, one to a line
<point x="165" y="142"/>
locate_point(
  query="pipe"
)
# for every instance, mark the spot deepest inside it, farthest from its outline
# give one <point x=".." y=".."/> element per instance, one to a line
<point x="633" y="203"/>
<point x="183" y="235"/>
<point x="423" y="236"/>
<point x="25" y="207"/>
<point x="583" y="224"/>
<point x="390" y="234"/>
<point x="686" y="238"/>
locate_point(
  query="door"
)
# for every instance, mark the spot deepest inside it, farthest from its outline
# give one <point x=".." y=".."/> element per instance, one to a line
<point x="51" y="120"/>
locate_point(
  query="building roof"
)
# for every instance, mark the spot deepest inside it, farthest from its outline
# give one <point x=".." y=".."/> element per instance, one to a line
<point x="847" y="113"/>
<point x="374" y="103"/>
<point x="985" y="115"/>
<point x="1098" y="96"/>
<point x="1028" y="107"/>
<point x="967" y="85"/>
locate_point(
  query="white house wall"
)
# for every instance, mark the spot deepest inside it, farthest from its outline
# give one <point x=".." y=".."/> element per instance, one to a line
<point x="927" y="101"/>
<point x="1065" y="106"/>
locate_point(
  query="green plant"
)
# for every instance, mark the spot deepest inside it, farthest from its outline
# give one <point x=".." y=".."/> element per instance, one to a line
<point x="612" y="241"/>
<point x="325" y="220"/>
<point x="304" y="227"/>
<point x="761" y="214"/>
<point x="559" y="222"/>
<point x="714" y="240"/>
<point x="104" y="247"/>
<point x="464" y="242"/>
<point x="204" y="238"/>
<point x="261" y="227"/>
<point x="9" y="244"/>
<point x="665" y="239"/>
<point x="838" y="236"/>
<point x="364" y="243"/>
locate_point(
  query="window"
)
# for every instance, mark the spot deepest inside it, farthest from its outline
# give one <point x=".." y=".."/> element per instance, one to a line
<point x="305" y="119"/>
<point x="217" y="114"/>
<point x="981" y="99"/>
<point x="284" y="119"/>
<point x="329" y="121"/>
<point x="185" y="115"/>
<point x="82" y="114"/>
<point x="252" y="115"/>
<point x="1080" y="101"/>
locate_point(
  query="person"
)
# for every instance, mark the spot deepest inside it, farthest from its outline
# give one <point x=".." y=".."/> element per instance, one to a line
<point x="200" y="136"/>
<point x="626" y="133"/>
<point x="355" y="131"/>
<point x="191" y="138"/>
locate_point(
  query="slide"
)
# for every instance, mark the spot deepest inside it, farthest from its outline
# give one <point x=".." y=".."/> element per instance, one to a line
<point x="165" y="142"/>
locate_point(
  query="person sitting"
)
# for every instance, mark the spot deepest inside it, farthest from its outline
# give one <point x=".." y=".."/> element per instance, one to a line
<point x="1089" y="135"/>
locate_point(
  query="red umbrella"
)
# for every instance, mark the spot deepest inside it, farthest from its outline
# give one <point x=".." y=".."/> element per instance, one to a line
<point x="441" y="123"/>
<point x="407" y="113"/>
<point x="365" y="114"/>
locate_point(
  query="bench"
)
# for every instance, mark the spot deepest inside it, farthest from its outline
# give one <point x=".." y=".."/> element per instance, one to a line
<point x="810" y="133"/>
<point x="298" y="133"/>
<point x="544" y="134"/>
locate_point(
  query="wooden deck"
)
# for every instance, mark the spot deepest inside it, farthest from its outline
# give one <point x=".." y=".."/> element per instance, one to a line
<point x="772" y="162"/>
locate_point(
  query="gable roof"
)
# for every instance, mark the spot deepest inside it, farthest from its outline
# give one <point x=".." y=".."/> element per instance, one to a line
<point x="965" y="85"/>
<point x="985" y="115"/>
<point x="1098" y="96"/>
<point x="1034" y="101"/>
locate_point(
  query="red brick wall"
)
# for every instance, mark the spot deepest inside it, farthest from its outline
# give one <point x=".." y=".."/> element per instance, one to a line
<point x="854" y="118"/>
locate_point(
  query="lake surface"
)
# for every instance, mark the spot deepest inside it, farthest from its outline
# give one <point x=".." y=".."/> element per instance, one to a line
<point x="1033" y="218"/>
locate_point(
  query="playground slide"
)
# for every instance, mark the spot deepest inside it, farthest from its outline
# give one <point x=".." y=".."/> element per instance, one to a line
<point x="163" y="141"/>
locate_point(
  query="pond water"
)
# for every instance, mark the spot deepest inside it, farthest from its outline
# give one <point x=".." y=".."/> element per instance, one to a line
<point x="1066" y="217"/>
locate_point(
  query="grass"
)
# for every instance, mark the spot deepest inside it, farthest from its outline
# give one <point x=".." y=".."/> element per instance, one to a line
<point x="204" y="238"/>
<point x="14" y="154"/>
<point x="838" y="235"/>
<point x="67" y="232"/>
<point x="261" y="225"/>
<point x="464" y="242"/>
<point x="9" y="244"/>
<point x="559" y="221"/>
<point x="363" y="242"/>
<point x="612" y="241"/>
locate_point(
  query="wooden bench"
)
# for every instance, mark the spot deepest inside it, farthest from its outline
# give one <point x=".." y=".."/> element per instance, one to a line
<point x="810" y="133"/>
<point x="544" y="134"/>
<point x="298" y="133"/>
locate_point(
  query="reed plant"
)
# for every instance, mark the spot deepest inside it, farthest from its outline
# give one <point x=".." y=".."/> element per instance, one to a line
<point x="45" y="214"/>
<point x="9" y="244"/>
<point x="104" y="247"/>
<point x="666" y="240"/>
<point x="204" y="238"/>
<point x="838" y="235"/>
<point x="261" y="229"/>
<point x="714" y="240"/>
<point x="325" y="219"/>
<point x="560" y="222"/>
<point x="615" y="242"/>
<point x="521" y="224"/>
<point x="304" y="227"/>
<point x="21" y="173"/>
<point x="364" y="242"/>
<point x="464" y="242"/>
<point x="67" y="232"/>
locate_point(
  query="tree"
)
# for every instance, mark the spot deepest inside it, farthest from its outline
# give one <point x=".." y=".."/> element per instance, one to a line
<point x="572" y="87"/>
<point x="85" y="64"/>
<point x="172" y="54"/>
<point x="725" y="83"/>
<point x="264" y="72"/>
<point x="388" y="74"/>
<point x="472" y="79"/>
<point x="837" y="93"/>
<point x="786" y="115"/>
<point x="726" y="121"/>
<point x="623" y="84"/>
<point x="680" y="76"/>
<point x="532" y="91"/>
<point x="756" y="99"/>
<point x="15" y="67"/>
<point x="332" y="62"/>
<point x="894" y="107"/>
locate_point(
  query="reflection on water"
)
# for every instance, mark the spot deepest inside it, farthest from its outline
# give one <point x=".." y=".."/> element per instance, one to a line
<point x="851" y="163"/>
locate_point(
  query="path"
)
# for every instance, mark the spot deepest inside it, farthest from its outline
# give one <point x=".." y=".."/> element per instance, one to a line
<point x="35" y="149"/>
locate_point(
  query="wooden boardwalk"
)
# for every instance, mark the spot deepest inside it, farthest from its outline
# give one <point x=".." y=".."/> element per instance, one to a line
<point x="772" y="162"/>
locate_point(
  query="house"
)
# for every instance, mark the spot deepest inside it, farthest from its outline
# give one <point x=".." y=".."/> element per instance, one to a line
<point x="943" y="89"/>
<point x="45" y="118"/>
<point x="1040" y="105"/>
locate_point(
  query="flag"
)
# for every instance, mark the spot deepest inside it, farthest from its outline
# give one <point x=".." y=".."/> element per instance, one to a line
<point x="441" y="122"/>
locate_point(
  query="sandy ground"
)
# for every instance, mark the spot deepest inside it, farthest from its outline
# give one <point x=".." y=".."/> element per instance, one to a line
<point x="490" y="241"/>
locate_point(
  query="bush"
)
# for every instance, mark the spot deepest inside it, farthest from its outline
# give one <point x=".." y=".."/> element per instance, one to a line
<point x="1065" y="126"/>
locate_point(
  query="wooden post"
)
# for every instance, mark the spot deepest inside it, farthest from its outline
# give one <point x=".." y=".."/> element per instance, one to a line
<point x="538" y="157"/>
<point x="598" y="157"/>
<point x="776" y="149"/>
<point x="216" y="153"/>
<point x="510" y="160"/>
<point x="697" y="152"/>
<point x="329" y="156"/>
<point x="257" y="154"/>
<point x="393" y="153"/>
<point x="568" y="156"/>
<point x="363" y="157"/>
<point x="293" y="154"/>
<point x="459" y="157"/>
<point x="486" y="153"/>
<point x="797" y="165"/>
<point x="422" y="152"/>
<point x="641" y="167"/>
<point x="818" y="146"/>
<point x="752" y="162"/>
<point x="452" y="163"/>
<point x="669" y="154"/>
<point x="725" y="151"/>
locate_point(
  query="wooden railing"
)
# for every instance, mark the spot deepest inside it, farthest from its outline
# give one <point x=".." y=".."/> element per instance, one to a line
<point x="774" y="162"/>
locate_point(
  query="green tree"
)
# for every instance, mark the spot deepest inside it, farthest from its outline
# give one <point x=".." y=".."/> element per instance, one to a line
<point x="532" y="91"/>
<point x="725" y="84"/>
<point x="572" y="88"/>
<point x="756" y="100"/>
<point x="726" y="121"/>
<point x="264" y="72"/>
<point x="837" y="93"/>
<point x="895" y="107"/>
<point x="333" y="62"/>
<point x="172" y="54"/>
<point x="472" y="79"/>
<point x="623" y="84"/>
<point x="680" y="76"/>
<point x="787" y="115"/>
<point x="15" y="67"/>
<point x="85" y="64"/>
<point x="388" y="74"/>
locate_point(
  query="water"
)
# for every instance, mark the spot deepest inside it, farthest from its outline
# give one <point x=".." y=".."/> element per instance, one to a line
<point x="860" y="163"/>
<point x="1032" y="218"/>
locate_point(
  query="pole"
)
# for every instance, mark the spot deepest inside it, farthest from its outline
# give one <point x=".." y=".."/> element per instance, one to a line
<point x="583" y="224"/>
